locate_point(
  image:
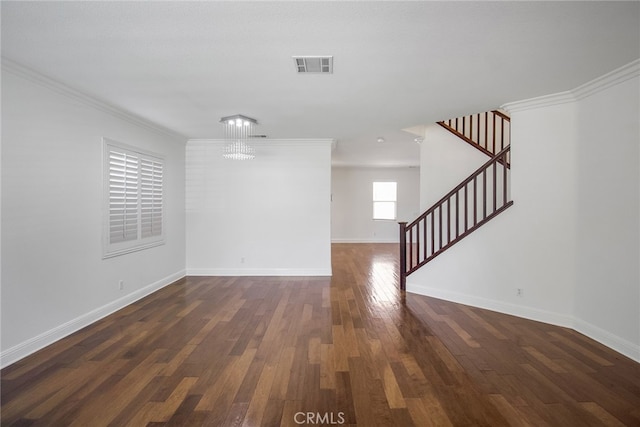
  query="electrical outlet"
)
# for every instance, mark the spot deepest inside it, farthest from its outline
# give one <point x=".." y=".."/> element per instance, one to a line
<point x="242" y="260"/>
<point x="121" y="284"/>
<point x="520" y="292"/>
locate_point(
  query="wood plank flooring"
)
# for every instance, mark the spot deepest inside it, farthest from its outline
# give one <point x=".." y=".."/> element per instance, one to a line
<point x="347" y="350"/>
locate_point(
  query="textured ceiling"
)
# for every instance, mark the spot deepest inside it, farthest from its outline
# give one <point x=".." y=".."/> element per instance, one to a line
<point x="396" y="64"/>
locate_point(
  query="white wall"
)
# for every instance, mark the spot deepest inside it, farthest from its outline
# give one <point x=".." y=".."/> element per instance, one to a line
<point x="266" y="216"/>
<point x="54" y="280"/>
<point x="352" y="205"/>
<point x="445" y="160"/>
<point x="577" y="265"/>
<point x="607" y="293"/>
<point x="486" y="268"/>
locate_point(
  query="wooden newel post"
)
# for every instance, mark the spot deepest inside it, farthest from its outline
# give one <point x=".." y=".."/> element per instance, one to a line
<point x="403" y="255"/>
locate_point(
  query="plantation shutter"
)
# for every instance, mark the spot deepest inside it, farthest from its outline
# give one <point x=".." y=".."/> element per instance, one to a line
<point x="133" y="199"/>
<point x="123" y="196"/>
<point x="151" y="197"/>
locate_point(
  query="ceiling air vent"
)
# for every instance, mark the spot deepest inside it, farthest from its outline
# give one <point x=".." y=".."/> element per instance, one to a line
<point x="314" y="64"/>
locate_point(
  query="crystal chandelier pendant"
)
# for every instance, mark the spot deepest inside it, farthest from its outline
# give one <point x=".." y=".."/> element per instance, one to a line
<point x="238" y="130"/>
<point x="238" y="150"/>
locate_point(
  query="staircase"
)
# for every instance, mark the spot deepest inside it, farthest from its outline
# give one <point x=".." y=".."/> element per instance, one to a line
<point x="487" y="132"/>
<point x="475" y="201"/>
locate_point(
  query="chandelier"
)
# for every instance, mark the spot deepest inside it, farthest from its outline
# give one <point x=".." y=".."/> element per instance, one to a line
<point x="238" y="129"/>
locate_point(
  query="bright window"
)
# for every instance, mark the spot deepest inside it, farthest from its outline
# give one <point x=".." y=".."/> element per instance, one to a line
<point x="384" y="200"/>
<point x="134" y="212"/>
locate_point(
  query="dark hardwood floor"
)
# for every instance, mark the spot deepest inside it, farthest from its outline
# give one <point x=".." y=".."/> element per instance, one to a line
<point x="351" y="349"/>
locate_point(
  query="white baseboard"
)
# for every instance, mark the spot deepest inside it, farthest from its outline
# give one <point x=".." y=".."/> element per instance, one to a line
<point x="612" y="341"/>
<point x="372" y="240"/>
<point x="38" y="342"/>
<point x="259" y="272"/>
<point x="494" y="305"/>
<point x="606" y="338"/>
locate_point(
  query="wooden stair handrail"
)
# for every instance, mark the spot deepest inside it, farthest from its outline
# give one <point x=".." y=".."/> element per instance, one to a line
<point x="501" y="114"/>
<point x="458" y="127"/>
<point x="460" y="186"/>
<point x="414" y="255"/>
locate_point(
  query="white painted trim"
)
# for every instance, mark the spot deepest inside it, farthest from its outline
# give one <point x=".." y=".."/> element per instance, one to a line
<point x="266" y="142"/>
<point x="372" y="167"/>
<point x="36" y="343"/>
<point x="257" y="272"/>
<point x="530" y="313"/>
<point x="619" y="75"/>
<point x="33" y="76"/>
<point x="608" y="339"/>
<point x="350" y="165"/>
<point x="596" y="85"/>
<point x="356" y="240"/>
<point x="539" y="102"/>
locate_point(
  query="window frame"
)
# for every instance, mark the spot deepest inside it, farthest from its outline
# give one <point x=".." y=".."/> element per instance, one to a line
<point x="375" y="201"/>
<point x="152" y="173"/>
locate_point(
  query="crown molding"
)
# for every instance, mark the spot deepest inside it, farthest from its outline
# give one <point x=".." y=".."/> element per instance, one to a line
<point x="10" y="66"/>
<point x="368" y="167"/>
<point x="539" y="102"/>
<point x="617" y="76"/>
<point x="306" y="142"/>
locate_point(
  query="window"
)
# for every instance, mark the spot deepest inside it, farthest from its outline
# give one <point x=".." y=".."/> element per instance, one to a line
<point x="133" y="199"/>
<point x="384" y="200"/>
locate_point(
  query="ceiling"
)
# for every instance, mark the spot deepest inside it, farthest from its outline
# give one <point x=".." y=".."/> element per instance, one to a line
<point x="397" y="65"/>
